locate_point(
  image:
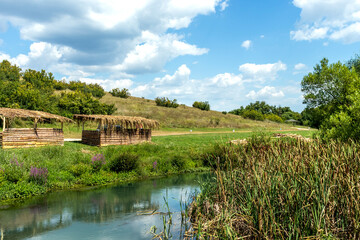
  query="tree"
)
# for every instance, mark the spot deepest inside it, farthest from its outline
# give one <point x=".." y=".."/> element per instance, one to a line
<point x="332" y="94"/>
<point x="123" y="93"/>
<point x="202" y="105"/>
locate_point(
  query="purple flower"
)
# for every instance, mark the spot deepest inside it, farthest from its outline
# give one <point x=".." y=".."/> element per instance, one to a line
<point x="38" y="175"/>
<point x="97" y="161"/>
<point x="154" y="165"/>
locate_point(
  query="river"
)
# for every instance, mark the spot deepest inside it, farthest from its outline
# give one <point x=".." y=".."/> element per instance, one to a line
<point x="112" y="212"/>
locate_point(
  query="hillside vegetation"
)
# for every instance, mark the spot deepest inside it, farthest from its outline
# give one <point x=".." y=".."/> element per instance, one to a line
<point x="180" y="117"/>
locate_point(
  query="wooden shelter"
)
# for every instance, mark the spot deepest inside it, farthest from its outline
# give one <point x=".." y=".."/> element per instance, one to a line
<point x="30" y="137"/>
<point x="116" y="130"/>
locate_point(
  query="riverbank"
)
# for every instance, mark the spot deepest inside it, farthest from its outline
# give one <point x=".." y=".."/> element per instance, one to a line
<point x="36" y="171"/>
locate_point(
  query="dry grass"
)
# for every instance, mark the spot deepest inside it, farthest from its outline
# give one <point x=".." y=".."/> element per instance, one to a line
<point x="181" y="117"/>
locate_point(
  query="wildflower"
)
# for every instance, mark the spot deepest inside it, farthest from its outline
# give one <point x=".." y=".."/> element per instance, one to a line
<point x="97" y="161"/>
<point x="154" y="165"/>
<point x="38" y="175"/>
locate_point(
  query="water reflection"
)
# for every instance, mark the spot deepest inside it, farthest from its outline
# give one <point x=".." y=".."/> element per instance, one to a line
<point x="109" y="213"/>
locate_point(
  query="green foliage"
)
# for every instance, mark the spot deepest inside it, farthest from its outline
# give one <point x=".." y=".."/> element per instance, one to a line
<point x="165" y="102"/>
<point x="331" y="93"/>
<point x="34" y="90"/>
<point x="202" y="105"/>
<point x="81" y="103"/>
<point x="253" y="114"/>
<point x="123" y="93"/>
<point x="14" y="170"/>
<point x="273" y="117"/>
<point x="178" y="162"/>
<point x="273" y="113"/>
<point x="124" y="162"/>
<point x="80" y="169"/>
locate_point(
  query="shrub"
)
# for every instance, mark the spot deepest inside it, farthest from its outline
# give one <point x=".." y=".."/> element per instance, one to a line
<point x="178" y="162"/>
<point x="123" y="93"/>
<point x="274" y="118"/>
<point x="38" y="175"/>
<point x="124" y="162"/>
<point x="79" y="169"/>
<point x="98" y="161"/>
<point x="253" y="114"/>
<point x="202" y="105"/>
<point x="165" y="102"/>
<point x="14" y="171"/>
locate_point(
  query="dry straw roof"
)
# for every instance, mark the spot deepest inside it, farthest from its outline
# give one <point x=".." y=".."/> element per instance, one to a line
<point x="127" y="122"/>
<point x="38" y="115"/>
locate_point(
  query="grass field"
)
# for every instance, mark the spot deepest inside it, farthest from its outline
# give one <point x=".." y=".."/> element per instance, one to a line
<point x="71" y="166"/>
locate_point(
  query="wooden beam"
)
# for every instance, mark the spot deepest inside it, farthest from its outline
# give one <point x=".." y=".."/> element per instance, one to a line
<point x="35" y="123"/>
<point x="4" y="125"/>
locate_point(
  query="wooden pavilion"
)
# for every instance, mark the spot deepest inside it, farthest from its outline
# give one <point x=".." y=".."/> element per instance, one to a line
<point x="116" y="130"/>
<point x="30" y="137"/>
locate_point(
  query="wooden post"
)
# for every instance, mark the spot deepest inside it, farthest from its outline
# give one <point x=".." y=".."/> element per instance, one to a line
<point x="62" y="125"/>
<point x="83" y="123"/>
<point x="4" y="124"/>
<point x="35" y="123"/>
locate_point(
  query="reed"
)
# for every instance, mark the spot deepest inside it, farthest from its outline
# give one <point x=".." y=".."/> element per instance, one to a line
<point x="277" y="189"/>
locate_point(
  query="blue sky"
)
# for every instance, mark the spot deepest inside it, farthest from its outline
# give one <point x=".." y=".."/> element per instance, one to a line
<point x="227" y="52"/>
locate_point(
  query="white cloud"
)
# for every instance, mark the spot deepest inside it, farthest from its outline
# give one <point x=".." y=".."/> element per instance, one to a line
<point x="338" y="20"/>
<point x="109" y="84"/>
<point x="155" y="52"/>
<point x="261" y="72"/>
<point x="262" y="36"/>
<point x="265" y="93"/>
<point x="299" y="66"/>
<point x="97" y="34"/>
<point x="246" y="44"/>
<point x="224" y="5"/>
<point x="1" y="41"/>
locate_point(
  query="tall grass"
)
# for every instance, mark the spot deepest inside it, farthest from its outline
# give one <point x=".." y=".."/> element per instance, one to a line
<point x="281" y="189"/>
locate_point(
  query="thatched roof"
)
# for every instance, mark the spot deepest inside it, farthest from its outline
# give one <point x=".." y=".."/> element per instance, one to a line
<point x="127" y="122"/>
<point x="38" y="115"/>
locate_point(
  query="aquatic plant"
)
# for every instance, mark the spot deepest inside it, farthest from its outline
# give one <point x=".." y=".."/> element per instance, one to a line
<point x="38" y="175"/>
<point x="281" y="189"/>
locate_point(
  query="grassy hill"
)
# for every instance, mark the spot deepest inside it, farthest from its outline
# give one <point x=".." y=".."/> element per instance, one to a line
<point x="183" y="116"/>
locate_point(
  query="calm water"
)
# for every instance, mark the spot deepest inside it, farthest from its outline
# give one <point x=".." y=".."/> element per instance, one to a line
<point x="105" y="213"/>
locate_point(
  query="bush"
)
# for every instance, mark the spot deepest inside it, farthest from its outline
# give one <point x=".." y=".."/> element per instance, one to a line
<point x="274" y="118"/>
<point x="165" y="102"/>
<point x="178" y="162"/>
<point x="253" y="114"/>
<point x="124" y="162"/>
<point x="79" y="169"/>
<point x="202" y="105"/>
<point x="14" y="171"/>
<point x="123" y="93"/>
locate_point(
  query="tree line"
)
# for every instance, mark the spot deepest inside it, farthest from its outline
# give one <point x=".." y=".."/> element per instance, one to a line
<point x="37" y="90"/>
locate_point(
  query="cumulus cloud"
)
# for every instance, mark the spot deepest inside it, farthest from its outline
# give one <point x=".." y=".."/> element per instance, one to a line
<point x="261" y="72"/>
<point x="246" y="44"/>
<point x="109" y="84"/>
<point x="99" y="34"/>
<point x="338" y="20"/>
<point x="265" y="93"/>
